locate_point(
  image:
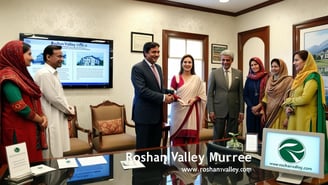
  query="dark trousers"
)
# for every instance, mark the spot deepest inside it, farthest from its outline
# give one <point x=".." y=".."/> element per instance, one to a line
<point x="148" y="135"/>
<point x="223" y="126"/>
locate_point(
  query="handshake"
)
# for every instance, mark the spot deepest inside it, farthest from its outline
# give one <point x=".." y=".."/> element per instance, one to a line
<point x="169" y="96"/>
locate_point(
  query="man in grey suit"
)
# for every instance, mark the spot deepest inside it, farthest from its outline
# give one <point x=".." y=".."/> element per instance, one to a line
<point x="149" y="96"/>
<point x="225" y="102"/>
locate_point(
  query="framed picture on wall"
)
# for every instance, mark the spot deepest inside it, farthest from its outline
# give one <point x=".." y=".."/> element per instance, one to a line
<point x="312" y="36"/>
<point x="216" y="50"/>
<point x="139" y="39"/>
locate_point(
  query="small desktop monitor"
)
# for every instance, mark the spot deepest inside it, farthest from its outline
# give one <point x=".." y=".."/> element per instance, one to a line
<point x="294" y="154"/>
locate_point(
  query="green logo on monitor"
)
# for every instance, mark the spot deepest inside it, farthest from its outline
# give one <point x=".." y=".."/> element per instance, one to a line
<point x="291" y="150"/>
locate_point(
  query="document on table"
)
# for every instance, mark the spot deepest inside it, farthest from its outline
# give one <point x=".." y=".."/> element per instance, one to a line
<point x="130" y="164"/>
<point x="251" y="143"/>
<point x="19" y="165"/>
<point x="88" y="161"/>
<point x="67" y="163"/>
<point x="41" y="169"/>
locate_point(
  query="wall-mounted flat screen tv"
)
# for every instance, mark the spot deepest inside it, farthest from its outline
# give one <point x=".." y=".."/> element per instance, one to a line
<point x="88" y="62"/>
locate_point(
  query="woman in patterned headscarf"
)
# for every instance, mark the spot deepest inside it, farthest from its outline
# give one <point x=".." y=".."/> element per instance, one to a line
<point x="276" y="91"/>
<point x="253" y="94"/>
<point x="306" y="103"/>
<point x="22" y="119"/>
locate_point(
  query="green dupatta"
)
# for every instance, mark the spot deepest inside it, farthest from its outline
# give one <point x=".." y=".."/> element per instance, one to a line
<point x="321" y="116"/>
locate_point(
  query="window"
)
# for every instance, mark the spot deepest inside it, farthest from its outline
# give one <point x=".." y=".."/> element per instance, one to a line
<point x="179" y="47"/>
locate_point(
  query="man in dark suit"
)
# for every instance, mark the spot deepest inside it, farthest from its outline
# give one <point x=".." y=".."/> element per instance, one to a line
<point x="225" y="102"/>
<point x="149" y="96"/>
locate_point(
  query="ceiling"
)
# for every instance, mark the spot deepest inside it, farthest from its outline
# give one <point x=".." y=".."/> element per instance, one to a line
<point x="231" y="8"/>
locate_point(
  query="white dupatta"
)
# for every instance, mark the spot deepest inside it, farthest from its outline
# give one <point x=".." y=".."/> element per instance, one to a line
<point x="185" y="117"/>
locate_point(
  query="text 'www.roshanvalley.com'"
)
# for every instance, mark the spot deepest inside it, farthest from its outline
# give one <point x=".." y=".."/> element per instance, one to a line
<point x="210" y="169"/>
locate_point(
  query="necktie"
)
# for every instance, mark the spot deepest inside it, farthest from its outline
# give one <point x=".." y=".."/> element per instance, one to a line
<point x="227" y="77"/>
<point x="156" y="74"/>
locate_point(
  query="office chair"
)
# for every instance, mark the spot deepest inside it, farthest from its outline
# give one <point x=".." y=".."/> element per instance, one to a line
<point x="109" y="128"/>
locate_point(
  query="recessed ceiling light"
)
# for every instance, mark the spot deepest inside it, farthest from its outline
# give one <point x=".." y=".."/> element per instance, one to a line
<point x="224" y="1"/>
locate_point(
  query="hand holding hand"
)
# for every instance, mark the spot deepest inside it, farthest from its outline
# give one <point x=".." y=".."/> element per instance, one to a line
<point x="289" y="110"/>
<point x="44" y="123"/>
<point x="71" y="110"/>
<point x="256" y="109"/>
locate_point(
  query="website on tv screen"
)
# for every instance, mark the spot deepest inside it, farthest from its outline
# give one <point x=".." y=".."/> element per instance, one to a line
<point x="85" y="64"/>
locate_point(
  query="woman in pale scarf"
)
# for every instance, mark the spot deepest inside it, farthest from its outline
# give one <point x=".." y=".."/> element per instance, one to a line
<point x="306" y="103"/>
<point x="276" y="91"/>
<point x="187" y="111"/>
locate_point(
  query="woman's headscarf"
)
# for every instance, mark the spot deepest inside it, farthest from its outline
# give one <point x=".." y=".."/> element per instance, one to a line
<point x="282" y="74"/>
<point x="13" y="68"/>
<point x="277" y="90"/>
<point x="260" y="75"/>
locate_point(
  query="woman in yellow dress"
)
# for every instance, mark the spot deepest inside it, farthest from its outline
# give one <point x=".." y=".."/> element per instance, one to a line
<point x="305" y="106"/>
